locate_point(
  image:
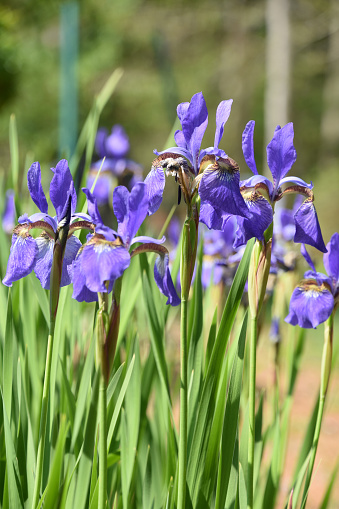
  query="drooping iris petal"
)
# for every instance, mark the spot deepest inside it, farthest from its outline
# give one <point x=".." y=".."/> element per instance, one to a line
<point x="194" y="124"/>
<point x="117" y="143"/>
<point x="248" y="146"/>
<point x="258" y="220"/>
<point x="310" y="305"/>
<point x="35" y="188"/>
<point x="307" y="229"/>
<point x="155" y="182"/>
<point x="44" y="260"/>
<point x="223" y="112"/>
<point x="21" y="259"/>
<point x="220" y="188"/>
<point x="102" y="261"/>
<point x="61" y="185"/>
<point x="80" y="291"/>
<point x="281" y="154"/>
<point x="212" y="217"/>
<point x="331" y="258"/>
<point x="163" y="279"/>
<point x="73" y="245"/>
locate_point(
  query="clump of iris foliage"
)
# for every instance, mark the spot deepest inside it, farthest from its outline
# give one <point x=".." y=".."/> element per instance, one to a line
<point x="90" y="390"/>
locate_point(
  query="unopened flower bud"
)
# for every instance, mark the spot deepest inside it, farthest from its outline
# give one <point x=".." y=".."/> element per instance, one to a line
<point x="258" y="275"/>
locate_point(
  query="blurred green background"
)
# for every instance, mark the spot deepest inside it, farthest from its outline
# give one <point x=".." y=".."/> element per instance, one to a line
<point x="170" y="50"/>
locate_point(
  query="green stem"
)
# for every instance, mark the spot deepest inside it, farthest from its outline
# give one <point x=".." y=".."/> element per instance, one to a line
<point x="325" y="377"/>
<point x="251" y="417"/>
<point x="183" y="406"/>
<point x="102" y="443"/>
<point x="43" y="417"/>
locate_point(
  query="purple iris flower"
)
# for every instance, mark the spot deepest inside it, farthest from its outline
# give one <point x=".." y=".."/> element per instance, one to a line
<point x="317" y="295"/>
<point x="9" y="214"/>
<point x="114" y="148"/>
<point x="260" y="194"/>
<point x="29" y="253"/>
<point x="106" y="255"/>
<point x="208" y="172"/>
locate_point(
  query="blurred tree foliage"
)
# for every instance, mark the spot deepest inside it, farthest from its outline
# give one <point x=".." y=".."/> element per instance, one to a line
<point x="169" y="50"/>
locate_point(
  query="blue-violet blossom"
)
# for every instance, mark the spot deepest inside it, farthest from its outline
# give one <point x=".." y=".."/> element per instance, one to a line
<point x="208" y="172"/>
<point x="260" y="194"/>
<point x="317" y="295"/>
<point x="106" y="256"/>
<point x="29" y="253"/>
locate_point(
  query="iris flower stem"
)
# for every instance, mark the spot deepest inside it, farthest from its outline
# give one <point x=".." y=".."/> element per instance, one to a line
<point x="188" y="255"/>
<point x="325" y="377"/>
<point x="43" y="416"/>
<point x="183" y="406"/>
<point x="251" y="417"/>
<point x="102" y="443"/>
<point x="102" y="330"/>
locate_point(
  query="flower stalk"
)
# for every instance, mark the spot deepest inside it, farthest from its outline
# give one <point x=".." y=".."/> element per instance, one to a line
<point x="257" y="282"/>
<point x="188" y="255"/>
<point x="107" y="336"/>
<point x="58" y="255"/>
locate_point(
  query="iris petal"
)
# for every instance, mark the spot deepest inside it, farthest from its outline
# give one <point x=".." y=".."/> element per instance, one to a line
<point x="331" y="258"/>
<point x="194" y="124"/>
<point x="22" y="258"/>
<point x="220" y="188"/>
<point x="155" y="182"/>
<point x="307" y="226"/>
<point x="163" y="279"/>
<point x="212" y="217"/>
<point x="309" y="308"/>
<point x="80" y="291"/>
<point x="131" y="208"/>
<point x="73" y="245"/>
<point x="259" y="218"/>
<point x="35" y="188"/>
<point x="8" y="216"/>
<point x="248" y="146"/>
<point x="100" y="141"/>
<point x="101" y="262"/>
<point x="92" y="207"/>
<point x="281" y="154"/>
<point x="117" y="143"/>
<point x="223" y="112"/>
<point x="61" y="185"/>
<point x="44" y="260"/>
